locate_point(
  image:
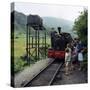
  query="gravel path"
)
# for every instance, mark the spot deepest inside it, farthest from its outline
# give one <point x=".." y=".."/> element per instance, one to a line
<point x="76" y="77"/>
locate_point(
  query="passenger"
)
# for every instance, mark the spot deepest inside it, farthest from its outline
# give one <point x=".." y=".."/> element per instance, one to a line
<point x="70" y="50"/>
<point x="69" y="47"/>
<point x="80" y="58"/>
<point x="74" y="58"/>
<point x="67" y="59"/>
<point x="79" y="47"/>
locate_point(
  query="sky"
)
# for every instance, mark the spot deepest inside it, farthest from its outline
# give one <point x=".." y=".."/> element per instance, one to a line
<point x="59" y="11"/>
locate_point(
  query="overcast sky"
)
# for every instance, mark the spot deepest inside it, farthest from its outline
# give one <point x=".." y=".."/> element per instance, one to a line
<point x="58" y="11"/>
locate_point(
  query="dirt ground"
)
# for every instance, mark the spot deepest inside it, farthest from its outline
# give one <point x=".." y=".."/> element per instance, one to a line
<point x="75" y="76"/>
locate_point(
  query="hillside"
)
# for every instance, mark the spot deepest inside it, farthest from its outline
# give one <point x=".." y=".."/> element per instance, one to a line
<point x="50" y="22"/>
<point x="20" y="20"/>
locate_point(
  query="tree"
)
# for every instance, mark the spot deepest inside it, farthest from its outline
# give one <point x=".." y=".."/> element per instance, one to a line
<point x="80" y="26"/>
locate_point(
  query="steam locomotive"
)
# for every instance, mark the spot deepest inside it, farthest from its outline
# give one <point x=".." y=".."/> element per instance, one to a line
<point x="58" y="44"/>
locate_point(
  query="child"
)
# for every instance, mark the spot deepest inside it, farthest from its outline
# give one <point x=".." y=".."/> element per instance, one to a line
<point x="67" y="59"/>
<point x="80" y="58"/>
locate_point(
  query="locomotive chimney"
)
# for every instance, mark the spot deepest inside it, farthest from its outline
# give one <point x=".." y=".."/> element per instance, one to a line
<point x="59" y="30"/>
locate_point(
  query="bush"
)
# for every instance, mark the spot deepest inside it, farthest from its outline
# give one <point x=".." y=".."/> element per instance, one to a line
<point x="18" y="65"/>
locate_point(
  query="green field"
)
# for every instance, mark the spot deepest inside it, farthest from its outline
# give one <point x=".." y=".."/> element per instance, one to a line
<point x="20" y="50"/>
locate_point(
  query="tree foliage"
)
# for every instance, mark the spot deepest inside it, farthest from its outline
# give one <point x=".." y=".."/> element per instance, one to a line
<point x="80" y="26"/>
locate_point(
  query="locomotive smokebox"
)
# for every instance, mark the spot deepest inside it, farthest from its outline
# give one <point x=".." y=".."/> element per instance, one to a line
<point x="59" y="30"/>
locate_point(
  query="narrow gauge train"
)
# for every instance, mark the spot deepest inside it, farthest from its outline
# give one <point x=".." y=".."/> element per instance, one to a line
<point x="58" y="44"/>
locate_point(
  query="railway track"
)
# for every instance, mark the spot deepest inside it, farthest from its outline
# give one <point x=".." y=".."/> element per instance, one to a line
<point x="47" y="76"/>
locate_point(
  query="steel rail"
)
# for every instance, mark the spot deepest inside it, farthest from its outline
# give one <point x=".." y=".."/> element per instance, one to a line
<point x="26" y="84"/>
<point x="51" y="81"/>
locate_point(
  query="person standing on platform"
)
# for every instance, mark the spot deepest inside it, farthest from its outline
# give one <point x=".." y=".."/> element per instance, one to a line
<point x="80" y="58"/>
<point x="67" y="59"/>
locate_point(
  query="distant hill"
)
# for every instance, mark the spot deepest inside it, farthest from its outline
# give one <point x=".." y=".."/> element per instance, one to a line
<point x="20" y="21"/>
<point x="50" y="22"/>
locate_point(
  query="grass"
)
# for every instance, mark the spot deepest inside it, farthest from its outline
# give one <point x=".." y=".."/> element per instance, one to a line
<point x="19" y="46"/>
<point x="20" y="50"/>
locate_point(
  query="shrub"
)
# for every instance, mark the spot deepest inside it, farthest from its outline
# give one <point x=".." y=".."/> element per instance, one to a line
<point x="18" y="65"/>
